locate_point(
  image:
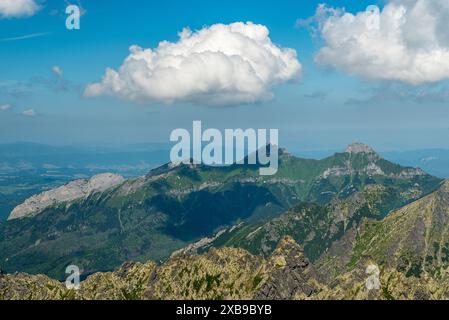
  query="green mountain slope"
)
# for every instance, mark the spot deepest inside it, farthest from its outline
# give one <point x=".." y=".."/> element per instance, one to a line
<point x="314" y="226"/>
<point x="345" y="234"/>
<point x="414" y="239"/>
<point x="152" y="216"/>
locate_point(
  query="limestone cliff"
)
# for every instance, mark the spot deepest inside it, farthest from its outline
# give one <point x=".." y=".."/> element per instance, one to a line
<point x="72" y="191"/>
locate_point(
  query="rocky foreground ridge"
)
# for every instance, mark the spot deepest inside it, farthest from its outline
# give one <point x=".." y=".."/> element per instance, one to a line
<point x="225" y="273"/>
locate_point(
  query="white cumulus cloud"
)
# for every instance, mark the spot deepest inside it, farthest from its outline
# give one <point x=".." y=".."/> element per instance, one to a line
<point x="217" y="65"/>
<point x="5" y="107"/>
<point x="407" y="41"/>
<point x="18" y="8"/>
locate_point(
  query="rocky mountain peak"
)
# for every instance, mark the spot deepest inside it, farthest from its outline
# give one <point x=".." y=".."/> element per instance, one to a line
<point x="358" y="147"/>
<point x="72" y="191"/>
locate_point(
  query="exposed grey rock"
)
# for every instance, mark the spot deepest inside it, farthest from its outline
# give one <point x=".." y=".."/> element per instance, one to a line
<point x="202" y="243"/>
<point x="72" y="191"/>
<point x="357" y="147"/>
<point x="290" y="273"/>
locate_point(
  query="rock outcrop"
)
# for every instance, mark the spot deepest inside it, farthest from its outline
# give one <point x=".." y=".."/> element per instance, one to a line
<point x="72" y="191"/>
<point x="357" y="147"/>
<point x="290" y="274"/>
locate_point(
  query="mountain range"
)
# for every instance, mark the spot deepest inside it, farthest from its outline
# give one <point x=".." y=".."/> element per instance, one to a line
<point x="174" y="206"/>
<point x="27" y="169"/>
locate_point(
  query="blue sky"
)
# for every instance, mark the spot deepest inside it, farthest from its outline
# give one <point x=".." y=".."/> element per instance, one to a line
<point x="327" y="108"/>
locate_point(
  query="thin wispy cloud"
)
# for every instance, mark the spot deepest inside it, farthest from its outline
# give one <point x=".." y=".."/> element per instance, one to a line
<point x="83" y="11"/>
<point x="57" y="70"/>
<point x="5" y="107"/>
<point x="27" y="36"/>
<point x="29" y="113"/>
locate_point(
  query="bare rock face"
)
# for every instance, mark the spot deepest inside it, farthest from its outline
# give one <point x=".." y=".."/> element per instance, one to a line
<point x="21" y="286"/>
<point x="72" y="191"/>
<point x="290" y="274"/>
<point x="127" y="283"/>
<point x="229" y="274"/>
<point x="359" y="148"/>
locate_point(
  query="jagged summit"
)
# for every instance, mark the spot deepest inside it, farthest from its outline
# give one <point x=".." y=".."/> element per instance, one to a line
<point x="358" y="147"/>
